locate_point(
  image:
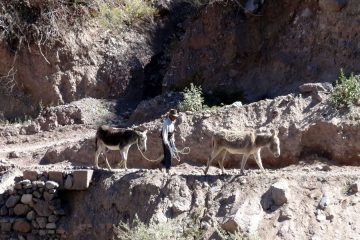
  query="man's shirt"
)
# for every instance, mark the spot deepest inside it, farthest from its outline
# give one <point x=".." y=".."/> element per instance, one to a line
<point x="168" y="128"/>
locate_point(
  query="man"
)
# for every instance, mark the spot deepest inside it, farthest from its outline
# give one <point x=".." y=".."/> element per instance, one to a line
<point x="168" y="138"/>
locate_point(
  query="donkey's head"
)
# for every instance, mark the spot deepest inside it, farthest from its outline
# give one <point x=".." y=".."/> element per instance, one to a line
<point x="142" y="138"/>
<point x="274" y="143"/>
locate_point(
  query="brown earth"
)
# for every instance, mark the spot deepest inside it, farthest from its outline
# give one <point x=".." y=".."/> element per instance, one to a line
<point x="233" y="54"/>
<point x="254" y="56"/>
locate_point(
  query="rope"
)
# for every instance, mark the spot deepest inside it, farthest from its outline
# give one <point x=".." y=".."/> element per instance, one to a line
<point x="184" y="151"/>
<point x="150" y="160"/>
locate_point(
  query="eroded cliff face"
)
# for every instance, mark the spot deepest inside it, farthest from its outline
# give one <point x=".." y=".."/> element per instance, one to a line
<point x="298" y="202"/>
<point x="90" y="61"/>
<point x="251" y="56"/>
<point x="233" y="53"/>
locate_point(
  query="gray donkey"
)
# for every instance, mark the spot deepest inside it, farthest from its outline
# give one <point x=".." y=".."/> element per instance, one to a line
<point x="245" y="143"/>
<point x="118" y="139"/>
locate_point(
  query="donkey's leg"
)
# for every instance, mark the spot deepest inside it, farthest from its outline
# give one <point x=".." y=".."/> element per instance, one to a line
<point x="125" y="155"/>
<point x="213" y="155"/>
<point x="258" y="160"/>
<point x="107" y="162"/>
<point x="221" y="161"/>
<point x="243" y="162"/>
<point x="100" y="148"/>
<point x="97" y="154"/>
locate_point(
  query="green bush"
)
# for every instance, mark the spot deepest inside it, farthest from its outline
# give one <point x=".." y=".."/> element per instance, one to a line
<point x="131" y="10"/>
<point x="347" y="91"/>
<point x="193" y="99"/>
<point x="138" y="9"/>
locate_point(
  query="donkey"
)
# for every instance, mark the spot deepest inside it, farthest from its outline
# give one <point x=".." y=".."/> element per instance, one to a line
<point x="118" y="139"/>
<point x="245" y="143"/>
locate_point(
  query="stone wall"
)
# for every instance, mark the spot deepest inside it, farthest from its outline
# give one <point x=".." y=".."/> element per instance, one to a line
<point x="32" y="208"/>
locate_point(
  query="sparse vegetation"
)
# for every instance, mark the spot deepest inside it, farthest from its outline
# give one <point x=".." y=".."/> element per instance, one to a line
<point x="347" y="91"/>
<point x="193" y="99"/>
<point x="113" y="16"/>
<point x="170" y="230"/>
<point x="23" y="23"/>
<point x="224" y="235"/>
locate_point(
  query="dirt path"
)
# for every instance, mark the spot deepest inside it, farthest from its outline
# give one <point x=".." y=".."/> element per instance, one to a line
<point x="24" y="149"/>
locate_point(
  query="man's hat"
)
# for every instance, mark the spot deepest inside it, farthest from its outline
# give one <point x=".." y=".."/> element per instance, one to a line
<point x="173" y="113"/>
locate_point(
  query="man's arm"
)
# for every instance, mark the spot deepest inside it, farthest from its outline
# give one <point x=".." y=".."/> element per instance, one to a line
<point x="165" y="132"/>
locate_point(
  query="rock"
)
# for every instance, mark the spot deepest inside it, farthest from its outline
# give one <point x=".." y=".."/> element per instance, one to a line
<point x="325" y="168"/>
<point x="34" y="224"/>
<point x="329" y="214"/>
<point x="4" y="211"/>
<point x="311" y="87"/>
<point x="60" y="212"/>
<point x="39" y="184"/>
<point x="30" y="175"/>
<point x="244" y="217"/>
<point x="251" y="6"/>
<point x="5" y="226"/>
<point x="324" y="201"/>
<point x="320" y="217"/>
<point x="280" y="193"/>
<point x="332" y="5"/>
<point x="158" y="105"/>
<point x="18" y="186"/>
<point x="53" y="218"/>
<point x="317" y="96"/>
<point x="26" y="198"/>
<point x="41" y="221"/>
<point x="57" y="176"/>
<point x="51" y="184"/>
<point x="36" y="194"/>
<point x="21" y="209"/>
<point x="162" y="4"/>
<point x="52" y="191"/>
<point x="48" y="196"/>
<point x="41" y="208"/>
<point x="32" y="128"/>
<point x="25" y="182"/>
<point x="30" y="215"/>
<point x="285" y="214"/>
<point x="180" y="195"/>
<point x="81" y="179"/>
<point x="354" y="188"/>
<point x="14" y="155"/>
<point x="42" y="232"/>
<point x="12" y="201"/>
<point x="21" y="225"/>
<point x="68" y="182"/>
<point x="51" y="226"/>
<point x="306" y="13"/>
<point x="21" y="237"/>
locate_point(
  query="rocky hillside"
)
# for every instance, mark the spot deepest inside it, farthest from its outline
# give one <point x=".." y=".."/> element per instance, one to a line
<point x="236" y="50"/>
<point x="69" y="66"/>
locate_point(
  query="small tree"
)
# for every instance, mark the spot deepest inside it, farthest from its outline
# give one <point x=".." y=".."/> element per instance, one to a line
<point x="193" y="99"/>
<point x="346" y="91"/>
